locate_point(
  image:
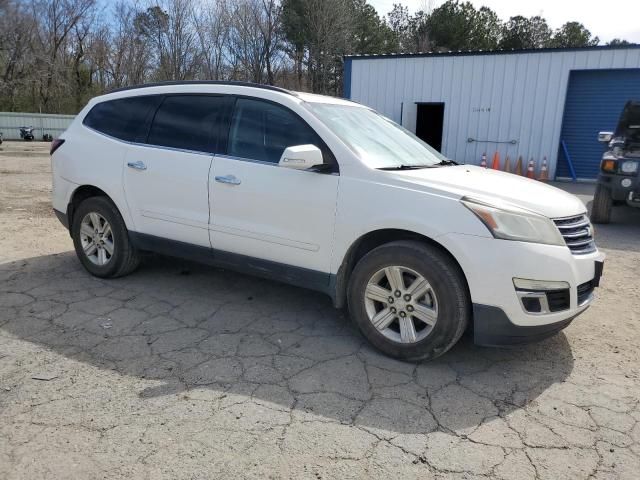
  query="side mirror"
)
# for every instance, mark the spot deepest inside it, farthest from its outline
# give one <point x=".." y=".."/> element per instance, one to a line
<point x="605" y="137"/>
<point x="301" y="157"/>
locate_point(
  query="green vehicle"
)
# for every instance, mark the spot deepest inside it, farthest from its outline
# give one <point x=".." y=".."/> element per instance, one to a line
<point x="618" y="181"/>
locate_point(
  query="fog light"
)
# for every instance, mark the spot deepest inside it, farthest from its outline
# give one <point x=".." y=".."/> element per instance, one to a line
<point x="626" y="182"/>
<point x="538" y="285"/>
<point x="540" y="297"/>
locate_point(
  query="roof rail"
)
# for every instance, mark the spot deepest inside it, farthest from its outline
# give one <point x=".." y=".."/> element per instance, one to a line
<point x="205" y="82"/>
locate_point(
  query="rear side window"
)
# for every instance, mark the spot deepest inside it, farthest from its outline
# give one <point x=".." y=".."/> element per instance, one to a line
<point x="189" y="122"/>
<point x="124" y="118"/>
<point x="262" y="130"/>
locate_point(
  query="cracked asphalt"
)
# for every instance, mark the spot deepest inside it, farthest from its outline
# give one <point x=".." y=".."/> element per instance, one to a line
<point x="182" y="371"/>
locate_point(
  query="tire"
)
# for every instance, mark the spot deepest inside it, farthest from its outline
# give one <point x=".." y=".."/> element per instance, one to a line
<point x="124" y="258"/>
<point x="448" y="298"/>
<point x="601" y="206"/>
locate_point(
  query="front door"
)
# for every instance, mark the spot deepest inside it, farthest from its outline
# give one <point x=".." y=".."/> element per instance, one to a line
<point x="166" y="180"/>
<point x="265" y="211"/>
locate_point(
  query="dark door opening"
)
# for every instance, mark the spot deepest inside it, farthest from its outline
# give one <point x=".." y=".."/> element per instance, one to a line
<point x="429" y="123"/>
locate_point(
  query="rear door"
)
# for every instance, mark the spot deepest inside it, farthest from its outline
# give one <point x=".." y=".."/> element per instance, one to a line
<point x="265" y="211"/>
<point x="166" y="178"/>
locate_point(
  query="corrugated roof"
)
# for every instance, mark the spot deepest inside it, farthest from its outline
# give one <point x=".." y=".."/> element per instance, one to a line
<point x="452" y="53"/>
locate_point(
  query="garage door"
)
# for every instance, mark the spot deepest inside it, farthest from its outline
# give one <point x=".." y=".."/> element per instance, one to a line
<point x="595" y="99"/>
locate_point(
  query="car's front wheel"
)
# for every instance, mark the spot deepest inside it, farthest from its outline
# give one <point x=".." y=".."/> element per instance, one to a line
<point x="101" y="239"/>
<point x="602" y="204"/>
<point x="409" y="299"/>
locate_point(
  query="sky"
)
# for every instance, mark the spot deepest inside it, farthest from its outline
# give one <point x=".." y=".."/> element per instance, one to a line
<point x="609" y="19"/>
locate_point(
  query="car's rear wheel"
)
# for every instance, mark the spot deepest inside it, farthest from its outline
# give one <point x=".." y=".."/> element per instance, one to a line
<point x="602" y="204"/>
<point x="101" y="239"/>
<point x="409" y="299"/>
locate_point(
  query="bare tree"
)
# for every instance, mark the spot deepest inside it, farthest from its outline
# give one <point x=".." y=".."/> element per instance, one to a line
<point x="16" y="33"/>
<point x="212" y="30"/>
<point x="168" y="25"/>
<point x="268" y="20"/>
<point x="56" y="20"/>
<point x="125" y="60"/>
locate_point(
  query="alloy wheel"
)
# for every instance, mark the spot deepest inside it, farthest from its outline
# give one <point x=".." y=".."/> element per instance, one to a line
<point x="96" y="238"/>
<point x="401" y="304"/>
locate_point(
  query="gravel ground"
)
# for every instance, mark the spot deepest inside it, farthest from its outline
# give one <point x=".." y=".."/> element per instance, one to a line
<point x="184" y="371"/>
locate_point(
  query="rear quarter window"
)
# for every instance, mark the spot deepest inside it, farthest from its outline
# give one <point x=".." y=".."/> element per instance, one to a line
<point x="125" y="118"/>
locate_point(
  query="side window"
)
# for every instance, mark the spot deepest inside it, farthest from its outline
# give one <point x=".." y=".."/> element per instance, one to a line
<point x="190" y="122"/>
<point x="124" y="118"/>
<point x="262" y="130"/>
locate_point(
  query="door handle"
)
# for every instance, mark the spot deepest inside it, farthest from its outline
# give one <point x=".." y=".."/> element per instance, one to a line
<point x="137" y="165"/>
<point x="230" y="179"/>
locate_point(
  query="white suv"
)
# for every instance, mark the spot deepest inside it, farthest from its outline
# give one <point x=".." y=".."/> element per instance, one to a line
<point x="325" y="194"/>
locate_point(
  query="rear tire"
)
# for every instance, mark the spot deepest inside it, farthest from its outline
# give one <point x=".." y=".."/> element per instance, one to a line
<point x="602" y="204"/>
<point x="436" y="319"/>
<point x="101" y="239"/>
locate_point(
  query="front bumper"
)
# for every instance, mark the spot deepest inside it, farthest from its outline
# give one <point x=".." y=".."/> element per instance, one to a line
<point x="620" y="192"/>
<point x="492" y="327"/>
<point x="490" y="265"/>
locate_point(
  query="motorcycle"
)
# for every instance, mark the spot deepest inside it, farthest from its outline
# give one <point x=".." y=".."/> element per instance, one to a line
<point x="26" y="133"/>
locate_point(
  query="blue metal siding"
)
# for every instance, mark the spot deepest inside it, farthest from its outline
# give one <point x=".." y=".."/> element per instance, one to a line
<point x="594" y="101"/>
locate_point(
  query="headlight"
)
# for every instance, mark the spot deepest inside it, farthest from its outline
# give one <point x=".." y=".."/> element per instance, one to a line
<point x="629" y="167"/>
<point x="512" y="223"/>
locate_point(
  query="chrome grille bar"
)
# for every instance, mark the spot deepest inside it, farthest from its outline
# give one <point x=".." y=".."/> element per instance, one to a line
<point x="577" y="234"/>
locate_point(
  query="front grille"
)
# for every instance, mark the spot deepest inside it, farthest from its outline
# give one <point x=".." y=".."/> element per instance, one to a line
<point x="577" y="233"/>
<point x="558" y="300"/>
<point x="584" y="291"/>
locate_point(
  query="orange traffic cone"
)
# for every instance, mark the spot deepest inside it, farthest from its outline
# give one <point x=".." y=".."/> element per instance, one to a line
<point x="544" y="172"/>
<point x="483" y="162"/>
<point x="530" y="170"/>
<point x="496" y="161"/>
<point x="507" y="164"/>
<point x="518" y="170"/>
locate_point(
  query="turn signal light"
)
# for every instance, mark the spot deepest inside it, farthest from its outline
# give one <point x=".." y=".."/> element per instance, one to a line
<point x="608" y="165"/>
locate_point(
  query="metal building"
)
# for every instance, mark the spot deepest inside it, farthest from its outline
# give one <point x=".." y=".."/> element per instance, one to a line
<point x="54" y="125"/>
<point x="535" y="103"/>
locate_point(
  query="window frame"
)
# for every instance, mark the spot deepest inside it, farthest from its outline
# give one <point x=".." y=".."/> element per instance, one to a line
<point x="326" y="151"/>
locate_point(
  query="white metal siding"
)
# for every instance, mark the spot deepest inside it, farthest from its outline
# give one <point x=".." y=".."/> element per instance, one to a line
<point x="10" y="123"/>
<point x="524" y="91"/>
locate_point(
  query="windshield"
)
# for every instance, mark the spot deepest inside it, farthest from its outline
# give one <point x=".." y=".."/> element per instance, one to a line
<point x="378" y="141"/>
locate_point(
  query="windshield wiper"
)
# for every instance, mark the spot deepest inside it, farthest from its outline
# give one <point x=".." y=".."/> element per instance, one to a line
<point x="405" y="167"/>
<point x="446" y="162"/>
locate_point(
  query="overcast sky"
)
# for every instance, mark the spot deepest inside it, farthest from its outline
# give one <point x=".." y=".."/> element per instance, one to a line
<point x="606" y="19"/>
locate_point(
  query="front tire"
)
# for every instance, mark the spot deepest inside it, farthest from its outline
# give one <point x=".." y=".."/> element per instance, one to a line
<point x="101" y="239"/>
<point x="601" y="206"/>
<point x="410" y="300"/>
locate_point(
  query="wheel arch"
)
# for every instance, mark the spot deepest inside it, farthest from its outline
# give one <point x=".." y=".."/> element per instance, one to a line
<point x="83" y="192"/>
<point x="367" y="242"/>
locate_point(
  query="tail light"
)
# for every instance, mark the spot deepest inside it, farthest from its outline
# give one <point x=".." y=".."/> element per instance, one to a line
<point x="55" y="144"/>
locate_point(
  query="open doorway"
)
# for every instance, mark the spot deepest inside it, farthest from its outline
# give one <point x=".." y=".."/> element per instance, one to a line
<point x="429" y="123"/>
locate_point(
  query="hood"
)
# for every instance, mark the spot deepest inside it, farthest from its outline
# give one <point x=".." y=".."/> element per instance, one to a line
<point x="629" y="123"/>
<point x="494" y="186"/>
